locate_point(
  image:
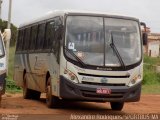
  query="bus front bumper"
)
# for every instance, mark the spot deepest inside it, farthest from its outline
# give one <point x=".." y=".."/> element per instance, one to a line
<point x="2" y="83"/>
<point x="86" y="92"/>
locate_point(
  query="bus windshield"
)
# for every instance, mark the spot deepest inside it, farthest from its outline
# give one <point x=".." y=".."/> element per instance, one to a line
<point x="1" y="47"/>
<point x="100" y="41"/>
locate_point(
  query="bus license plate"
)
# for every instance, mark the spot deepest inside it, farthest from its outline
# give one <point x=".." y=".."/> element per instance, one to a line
<point x="103" y="91"/>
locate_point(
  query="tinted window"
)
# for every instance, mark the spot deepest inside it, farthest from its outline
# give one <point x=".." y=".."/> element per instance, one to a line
<point x="20" y="40"/>
<point x="53" y="31"/>
<point x="41" y="36"/>
<point x="27" y="38"/>
<point x="33" y="37"/>
<point x="58" y="36"/>
<point x="50" y="32"/>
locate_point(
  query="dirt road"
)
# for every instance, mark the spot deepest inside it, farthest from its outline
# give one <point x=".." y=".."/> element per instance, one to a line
<point x="15" y="104"/>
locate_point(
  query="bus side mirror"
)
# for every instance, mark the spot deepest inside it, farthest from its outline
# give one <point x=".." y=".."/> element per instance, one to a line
<point x="145" y="38"/>
<point x="7" y="34"/>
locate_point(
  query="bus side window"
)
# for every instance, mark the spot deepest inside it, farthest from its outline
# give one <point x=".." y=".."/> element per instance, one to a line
<point x="20" y="40"/>
<point x="33" y="37"/>
<point x="24" y="37"/>
<point x="58" y="36"/>
<point x="41" y="36"/>
<point x="27" y="38"/>
<point x="49" y="39"/>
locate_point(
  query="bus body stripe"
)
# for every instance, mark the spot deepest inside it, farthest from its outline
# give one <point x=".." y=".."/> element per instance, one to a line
<point x="22" y="62"/>
<point x="26" y="63"/>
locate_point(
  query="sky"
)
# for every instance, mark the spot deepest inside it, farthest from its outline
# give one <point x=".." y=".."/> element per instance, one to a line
<point x="25" y="10"/>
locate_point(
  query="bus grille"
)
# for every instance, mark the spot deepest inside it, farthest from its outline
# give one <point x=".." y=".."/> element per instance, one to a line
<point x="103" y="84"/>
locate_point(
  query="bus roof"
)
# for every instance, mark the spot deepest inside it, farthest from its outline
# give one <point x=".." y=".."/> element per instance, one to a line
<point x="51" y="14"/>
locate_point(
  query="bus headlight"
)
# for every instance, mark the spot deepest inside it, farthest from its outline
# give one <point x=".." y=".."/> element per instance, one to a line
<point x="135" y="80"/>
<point x="71" y="76"/>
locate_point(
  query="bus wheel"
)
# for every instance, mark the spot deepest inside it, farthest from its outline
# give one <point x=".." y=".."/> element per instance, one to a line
<point x="52" y="101"/>
<point x="35" y="95"/>
<point x="28" y="93"/>
<point x="117" y="105"/>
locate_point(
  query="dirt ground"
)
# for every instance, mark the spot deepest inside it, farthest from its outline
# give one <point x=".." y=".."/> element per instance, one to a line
<point x="14" y="104"/>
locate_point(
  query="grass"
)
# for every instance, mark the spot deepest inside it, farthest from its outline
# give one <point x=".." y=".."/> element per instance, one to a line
<point x="151" y="89"/>
<point x="10" y="84"/>
<point x="11" y="87"/>
<point x="152" y="61"/>
<point x="11" y="63"/>
<point x="151" y="77"/>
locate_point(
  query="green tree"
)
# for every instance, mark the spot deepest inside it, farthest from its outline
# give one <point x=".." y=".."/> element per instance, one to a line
<point x="3" y="25"/>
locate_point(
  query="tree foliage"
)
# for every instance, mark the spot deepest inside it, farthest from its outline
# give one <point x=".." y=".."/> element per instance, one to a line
<point x="3" y="25"/>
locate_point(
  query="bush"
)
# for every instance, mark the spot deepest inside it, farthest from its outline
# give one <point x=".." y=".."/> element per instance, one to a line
<point x="11" y="86"/>
<point x="150" y="76"/>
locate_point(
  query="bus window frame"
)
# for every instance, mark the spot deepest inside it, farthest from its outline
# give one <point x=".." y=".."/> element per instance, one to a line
<point x="40" y="48"/>
<point x="31" y="50"/>
<point x="21" y="48"/>
<point x="47" y="49"/>
<point x="27" y="39"/>
<point x="47" y="22"/>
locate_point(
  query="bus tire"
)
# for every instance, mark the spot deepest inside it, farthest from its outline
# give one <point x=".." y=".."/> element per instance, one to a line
<point x="51" y="101"/>
<point x="117" y="105"/>
<point x="26" y="92"/>
<point x="35" y="95"/>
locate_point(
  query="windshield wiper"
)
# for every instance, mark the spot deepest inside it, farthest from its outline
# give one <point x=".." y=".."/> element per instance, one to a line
<point x="116" y="51"/>
<point x="75" y="56"/>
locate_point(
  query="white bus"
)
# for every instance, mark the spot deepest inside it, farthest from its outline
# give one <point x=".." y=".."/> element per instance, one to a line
<point x="2" y="66"/>
<point x="81" y="56"/>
